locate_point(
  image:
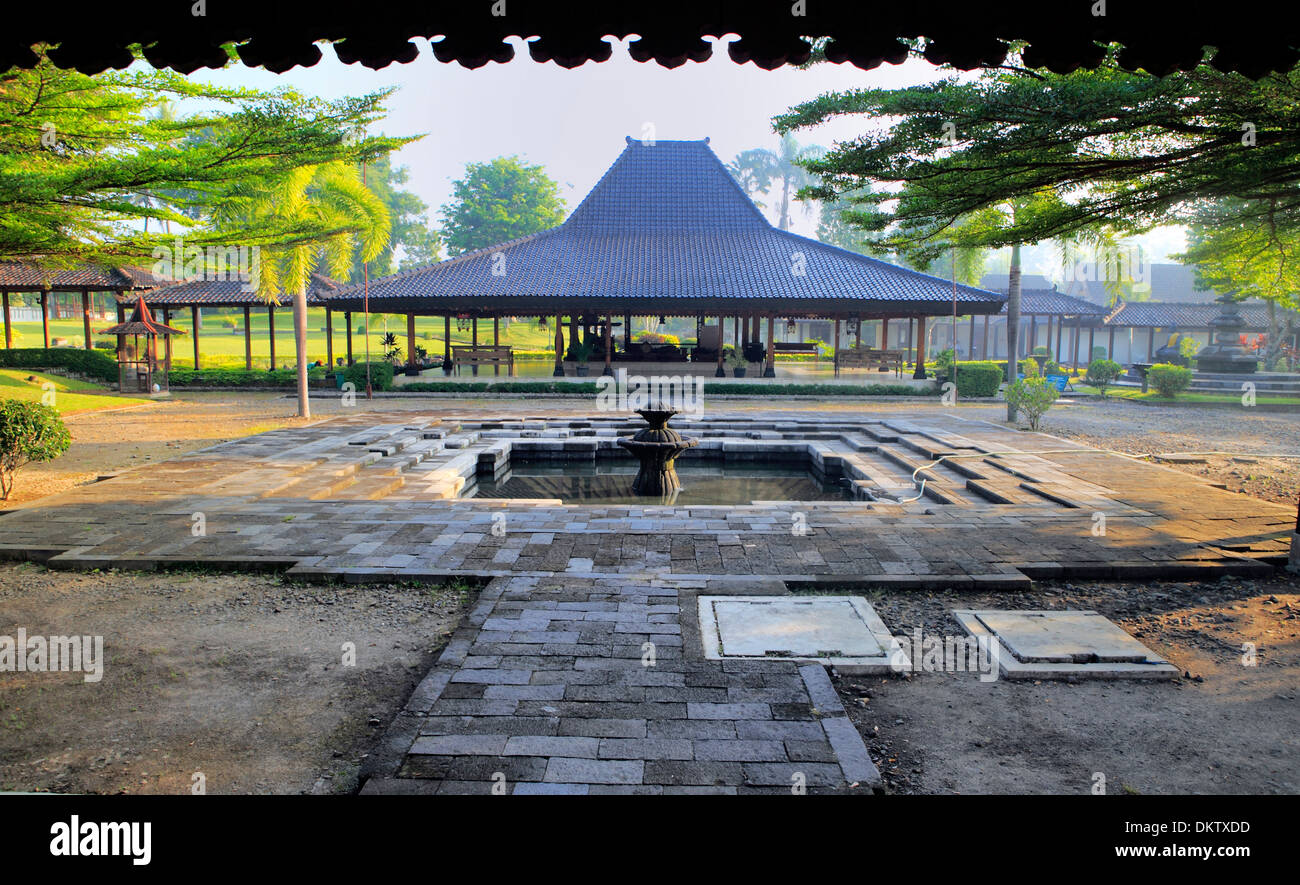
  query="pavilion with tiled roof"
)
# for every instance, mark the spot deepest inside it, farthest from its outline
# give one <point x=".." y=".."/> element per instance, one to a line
<point x="50" y="277"/>
<point x="667" y="231"/>
<point x="234" y="292"/>
<point x="1136" y="320"/>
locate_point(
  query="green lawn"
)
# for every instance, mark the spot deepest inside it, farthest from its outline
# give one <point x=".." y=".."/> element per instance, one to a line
<point x="70" y="396"/>
<point x="1135" y="394"/>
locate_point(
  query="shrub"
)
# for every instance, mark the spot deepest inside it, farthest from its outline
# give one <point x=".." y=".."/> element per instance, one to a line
<point x="29" y="432"/>
<point x="1040" y="350"/>
<point x="90" y="363"/>
<point x="1098" y="352"/>
<point x="1032" y="397"/>
<point x="979" y="378"/>
<point x="381" y="375"/>
<point x="1102" y="373"/>
<point x="1168" y="379"/>
<point x="1029" y="367"/>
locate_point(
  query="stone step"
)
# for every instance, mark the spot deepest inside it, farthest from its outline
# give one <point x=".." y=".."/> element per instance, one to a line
<point x="369" y="488"/>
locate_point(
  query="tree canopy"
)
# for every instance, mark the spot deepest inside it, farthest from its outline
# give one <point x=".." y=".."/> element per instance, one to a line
<point x="500" y="200"/>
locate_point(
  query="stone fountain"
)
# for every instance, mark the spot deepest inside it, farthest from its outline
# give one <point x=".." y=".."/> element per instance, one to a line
<point x="656" y="447"/>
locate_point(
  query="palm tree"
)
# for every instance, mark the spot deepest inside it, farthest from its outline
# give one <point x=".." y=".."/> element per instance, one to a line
<point x="336" y="214"/>
<point x="757" y="169"/>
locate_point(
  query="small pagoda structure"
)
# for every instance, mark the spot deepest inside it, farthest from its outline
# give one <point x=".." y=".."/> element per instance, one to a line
<point x="138" y="371"/>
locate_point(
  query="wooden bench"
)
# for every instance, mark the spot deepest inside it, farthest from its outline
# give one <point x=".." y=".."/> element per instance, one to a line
<point x="463" y="355"/>
<point x="868" y="358"/>
<point x="780" y="347"/>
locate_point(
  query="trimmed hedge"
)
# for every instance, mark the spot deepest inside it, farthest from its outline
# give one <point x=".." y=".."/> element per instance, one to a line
<point x="1169" y="379"/>
<point x="381" y="375"/>
<point x="980" y="378"/>
<point x="721" y="388"/>
<point x="233" y="378"/>
<point x="90" y="363"/>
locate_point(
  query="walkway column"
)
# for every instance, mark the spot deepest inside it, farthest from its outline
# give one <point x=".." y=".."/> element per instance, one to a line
<point x="248" y="339"/>
<point x="1033" y="333"/>
<point x="347" y="318"/>
<point x="1060" y="326"/>
<point x="1092" y="330"/>
<point x="496" y="340"/>
<point x="720" y="372"/>
<point x="735" y="331"/>
<point x="270" y="321"/>
<point x="1110" y="345"/>
<point x="770" y="371"/>
<point x="85" y="316"/>
<point x="884" y="333"/>
<point x="559" y="347"/>
<point x="836" y="345"/>
<point x="9" y="332"/>
<point x="984" y="343"/>
<point x="446" y="338"/>
<point x="970" y="344"/>
<point x="45" y="316"/>
<point x="329" y="339"/>
<point x="627" y="331"/>
<point x="609" y="344"/>
<point x="194" y="321"/>
<point x="1074" y="345"/>
<point x="410" y="340"/>
<point x="474" y="341"/>
<point x="167" y="344"/>
<point x="1151" y="343"/>
<point x="920" y="348"/>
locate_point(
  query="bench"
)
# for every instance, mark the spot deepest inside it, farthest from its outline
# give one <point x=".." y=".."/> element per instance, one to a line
<point x="462" y="355"/>
<point x="780" y="347"/>
<point x="868" y="358"/>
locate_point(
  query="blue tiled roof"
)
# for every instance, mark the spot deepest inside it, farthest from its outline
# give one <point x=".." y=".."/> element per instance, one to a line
<point x="667" y="227"/>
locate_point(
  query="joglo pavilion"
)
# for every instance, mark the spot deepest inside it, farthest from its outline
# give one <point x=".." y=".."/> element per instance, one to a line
<point x="666" y="232"/>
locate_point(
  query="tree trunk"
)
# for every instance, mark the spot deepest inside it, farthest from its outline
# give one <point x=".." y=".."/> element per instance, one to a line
<point x="1013" y="324"/>
<point x="1273" y="347"/>
<point x="300" y="348"/>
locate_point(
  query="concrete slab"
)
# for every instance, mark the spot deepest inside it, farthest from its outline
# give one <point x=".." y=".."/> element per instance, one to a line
<point x="1062" y="645"/>
<point x="839" y="631"/>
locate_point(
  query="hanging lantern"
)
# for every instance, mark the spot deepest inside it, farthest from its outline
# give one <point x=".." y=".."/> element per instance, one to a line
<point x="463" y="322"/>
<point x="541" y="323"/>
<point x="791" y="326"/>
<point x="663" y="321"/>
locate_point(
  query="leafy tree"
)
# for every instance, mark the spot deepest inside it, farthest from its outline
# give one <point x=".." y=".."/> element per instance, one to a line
<point x="497" y="201"/>
<point x="85" y="160"/>
<point x="1130" y="150"/>
<point x="1102" y="374"/>
<point x="757" y="170"/>
<point x="29" y="432"/>
<point x="419" y="244"/>
<point x="336" y="216"/>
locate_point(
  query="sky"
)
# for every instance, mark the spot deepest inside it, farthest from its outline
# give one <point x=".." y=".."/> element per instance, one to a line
<point x="573" y="122"/>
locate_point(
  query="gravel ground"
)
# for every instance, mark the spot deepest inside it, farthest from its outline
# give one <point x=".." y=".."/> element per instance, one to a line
<point x="1222" y="728"/>
<point x="239" y="677"/>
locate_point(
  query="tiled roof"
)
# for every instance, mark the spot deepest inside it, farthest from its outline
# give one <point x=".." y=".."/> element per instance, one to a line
<point x="233" y="293"/>
<point x="667" y="227"/>
<point x="142" y="322"/>
<point x="1056" y="303"/>
<point x="28" y="275"/>
<point x="1182" y="315"/>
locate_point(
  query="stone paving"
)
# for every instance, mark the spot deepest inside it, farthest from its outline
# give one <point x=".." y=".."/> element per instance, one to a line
<point x="546" y="686"/>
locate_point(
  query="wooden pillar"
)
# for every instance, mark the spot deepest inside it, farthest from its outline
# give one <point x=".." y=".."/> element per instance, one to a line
<point x="1151" y="343"/>
<point x="984" y="341"/>
<point x="857" y="333"/>
<point x="1110" y="345"/>
<point x="410" y="340"/>
<point x="575" y="319"/>
<point x="347" y="318"/>
<point x="837" y="347"/>
<point x="45" y="316"/>
<point x="559" y="347"/>
<point x="85" y="317"/>
<point x="609" y="344"/>
<point x="446" y="338"/>
<point x="474" y="336"/>
<point x="920" y="348"/>
<point x="9" y="331"/>
<point x="720" y="372"/>
<point x="167" y="339"/>
<point x="248" y="338"/>
<point x="884" y="334"/>
<point x="1092" y="330"/>
<point x="194" y="321"/>
<point x="270" y="321"/>
<point x="735" y="332"/>
<point x="970" y="344"/>
<point x="627" y="331"/>
<point x="1060" y="325"/>
<point x="496" y="339"/>
<point x="770" y="370"/>
<point x="329" y="339"/>
<point x="1074" y="345"/>
<point x="1033" y="333"/>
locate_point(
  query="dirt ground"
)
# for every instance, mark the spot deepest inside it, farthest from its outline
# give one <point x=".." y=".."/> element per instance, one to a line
<point x="238" y="677"/>
<point x="1223" y="728"/>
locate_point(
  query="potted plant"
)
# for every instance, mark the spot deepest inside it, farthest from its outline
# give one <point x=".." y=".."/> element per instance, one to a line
<point x="421" y="355"/>
<point x="581" y="353"/>
<point x="739" y="365"/>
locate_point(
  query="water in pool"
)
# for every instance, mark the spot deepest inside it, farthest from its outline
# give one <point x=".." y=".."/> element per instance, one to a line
<point x="701" y="484"/>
